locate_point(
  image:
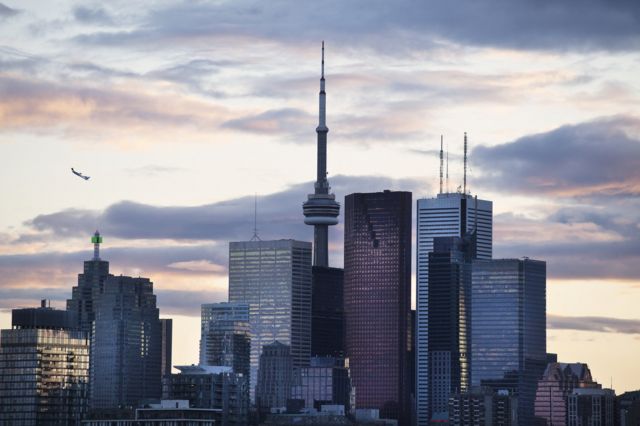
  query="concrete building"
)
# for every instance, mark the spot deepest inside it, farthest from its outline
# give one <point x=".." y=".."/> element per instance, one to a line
<point x="508" y="328"/>
<point x="225" y="336"/>
<point x="165" y="413"/>
<point x="44" y="369"/>
<point x="447" y="215"/>
<point x="591" y="407"/>
<point x="211" y="387"/>
<point x="275" y="377"/>
<point x="126" y="348"/>
<point x="557" y="382"/>
<point x="377" y="300"/>
<point x="482" y="407"/>
<point x="274" y="279"/>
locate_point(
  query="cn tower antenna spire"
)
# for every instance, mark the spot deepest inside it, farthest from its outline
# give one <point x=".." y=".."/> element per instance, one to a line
<point x="441" y="161"/>
<point x="464" y="182"/>
<point x="321" y="209"/>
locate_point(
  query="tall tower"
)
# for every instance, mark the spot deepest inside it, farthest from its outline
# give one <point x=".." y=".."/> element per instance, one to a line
<point x="321" y="208"/>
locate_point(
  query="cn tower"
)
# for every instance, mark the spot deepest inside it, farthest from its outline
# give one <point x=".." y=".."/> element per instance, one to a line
<point x="321" y="208"/>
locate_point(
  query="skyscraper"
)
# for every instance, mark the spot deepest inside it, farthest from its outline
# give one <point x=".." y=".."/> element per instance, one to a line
<point x="588" y="407"/>
<point x="327" y="312"/>
<point x="166" y="325"/>
<point x="275" y="376"/>
<point x="274" y="279"/>
<point x="44" y="369"/>
<point x="449" y="299"/>
<point x="90" y="285"/>
<point x="225" y="336"/>
<point x="377" y="299"/>
<point x="447" y="215"/>
<point x="508" y="328"/>
<point x="126" y="349"/>
<point x="321" y="208"/>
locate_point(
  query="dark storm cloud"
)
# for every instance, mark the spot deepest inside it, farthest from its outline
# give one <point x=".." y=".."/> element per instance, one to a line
<point x="598" y="324"/>
<point x="280" y="215"/>
<point x="530" y="24"/>
<point x="597" y="158"/>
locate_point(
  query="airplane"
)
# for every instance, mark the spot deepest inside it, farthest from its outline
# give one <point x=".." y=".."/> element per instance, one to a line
<point x="79" y="174"/>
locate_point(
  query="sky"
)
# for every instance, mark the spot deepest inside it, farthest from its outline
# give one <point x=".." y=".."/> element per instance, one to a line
<point x="182" y="112"/>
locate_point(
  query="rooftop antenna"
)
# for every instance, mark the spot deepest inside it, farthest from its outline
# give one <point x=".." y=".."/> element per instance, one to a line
<point x="441" y="159"/>
<point x="96" y="239"/>
<point x="447" y="167"/>
<point x="255" y="219"/>
<point x="464" y="181"/>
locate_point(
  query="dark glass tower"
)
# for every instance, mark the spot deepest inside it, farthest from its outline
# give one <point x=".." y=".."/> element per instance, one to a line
<point x="377" y="299"/>
<point x="449" y="287"/>
<point x="508" y="328"/>
<point x="90" y="286"/>
<point x="126" y="349"/>
<point x="327" y="313"/>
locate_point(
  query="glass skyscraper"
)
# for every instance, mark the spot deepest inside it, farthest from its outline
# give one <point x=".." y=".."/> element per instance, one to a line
<point x="44" y="369"/>
<point x="508" y="328"/>
<point x="327" y="312"/>
<point x="126" y="348"/>
<point x="447" y="215"/>
<point x="274" y="279"/>
<point x="377" y="299"/>
<point x="225" y="336"/>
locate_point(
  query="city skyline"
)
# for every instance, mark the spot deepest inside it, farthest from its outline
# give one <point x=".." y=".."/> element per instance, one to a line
<point x="553" y="136"/>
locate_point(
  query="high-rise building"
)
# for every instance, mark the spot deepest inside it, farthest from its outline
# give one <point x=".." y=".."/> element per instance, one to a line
<point x="482" y="407"/>
<point x="166" y="326"/>
<point x="44" y="369"/>
<point x="447" y="215"/>
<point x="557" y="382"/>
<point x="587" y="407"/>
<point x="321" y="208"/>
<point x="327" y="312"/>
<point x="377" y="300"/>
<point x="126" y="348"/>
<point x="325" y="382"/>
<point x="508" y="328"/>
<point x="629" y="408"/>
<point x="212" y="387"/>
<point x="449" y="301"/>
<point x="90" y="285"/>
<point x="225" y="336"/>
<point x="274" y="279"/>
<point x="275" y="377"/>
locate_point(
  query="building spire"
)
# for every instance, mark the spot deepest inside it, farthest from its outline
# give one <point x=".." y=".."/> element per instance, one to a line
<point x="464" y="182"/>
<point x="441" y="160"/>
<point x="255" y="220"/>
<point x="96" y="239"/>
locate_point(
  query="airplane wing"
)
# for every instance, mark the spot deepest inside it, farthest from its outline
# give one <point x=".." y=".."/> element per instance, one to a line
<point x="79" y="174"/>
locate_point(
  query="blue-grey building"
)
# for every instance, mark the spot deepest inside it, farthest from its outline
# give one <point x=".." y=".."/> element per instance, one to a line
<point x="508" y="328"/>
<point x="126" y="348"/>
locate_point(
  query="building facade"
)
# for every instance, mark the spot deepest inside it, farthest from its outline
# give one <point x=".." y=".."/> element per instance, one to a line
<point x="213" y="387"/>
<point x="166" y="326"/>
<point x="275" y="377"/>
<point x="327" y="312"/>
<point x="557" y="382"/>
<point x="325" y="382"/>
<point x="508" y="328"/>
<point x="447" y="215"/>
<point x="225" y="336"/>
<point x="126" y="348"/>
<point x="482" y="407"/>
<point x="274" y="279"/>
<point x="377" y="300"/>
<point x="591" y="407"/>
<point x="44" y="369"/>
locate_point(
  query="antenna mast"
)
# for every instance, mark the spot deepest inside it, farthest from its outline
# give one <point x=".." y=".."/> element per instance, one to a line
<point x="447" y="167"/>
<point x="464" y="182"/>
<point x="441" y="159"/>
<point x="255" y="219"/>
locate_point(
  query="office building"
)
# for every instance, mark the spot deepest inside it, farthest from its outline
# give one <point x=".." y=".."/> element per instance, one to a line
<point x="274" y="279"/>
<point x="90" y="286"/>
<point x="449" y="301"/>
<point x="44" y="369"/>
<point x="629" y="408"/>
<point x="327" y="312"/>
<point x="588" y="407"/>
<point x="166" y="327"/>
<point x="225" y="336"/>
<point x="508" y="328"/>
<point x="446" y="215"/>
<point x="275" y="377"/>
<point x="126" y="348"/>
<point x="557" y="382"/>
<point x="325" y="382"/>
<point x="377" y="300"/>
<point x="164" y="413"/>
<point x="216" y="387"/>
<point x="481" y="407"/>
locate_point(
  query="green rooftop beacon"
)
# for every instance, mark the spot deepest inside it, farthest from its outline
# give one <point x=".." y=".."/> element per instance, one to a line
<point x="96" y="239"/>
